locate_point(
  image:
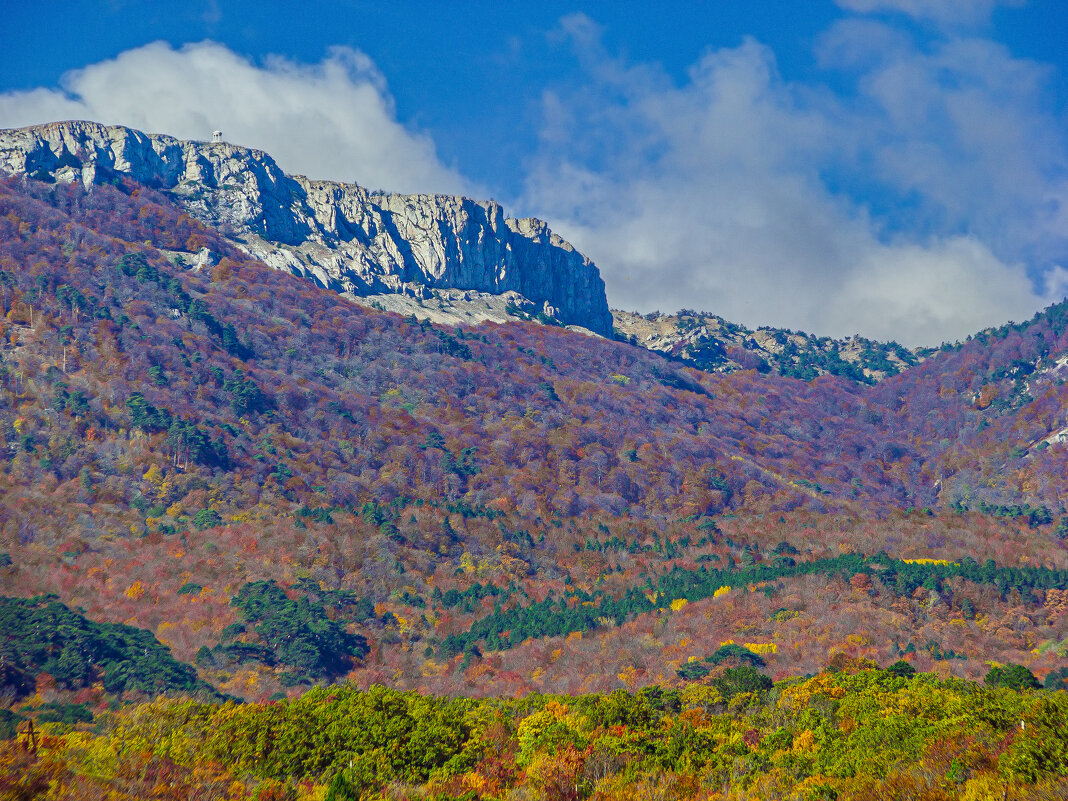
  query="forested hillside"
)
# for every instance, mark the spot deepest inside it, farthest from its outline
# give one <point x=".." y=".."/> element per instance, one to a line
<point x="852" y="733"/>
<point x="225" y="480"/>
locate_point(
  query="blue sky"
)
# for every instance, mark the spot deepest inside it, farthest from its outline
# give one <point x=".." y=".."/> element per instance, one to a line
<point x="896" y="168"/>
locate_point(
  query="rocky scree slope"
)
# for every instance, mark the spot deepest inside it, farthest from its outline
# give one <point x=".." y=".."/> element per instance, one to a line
<point x="343" y="236"/>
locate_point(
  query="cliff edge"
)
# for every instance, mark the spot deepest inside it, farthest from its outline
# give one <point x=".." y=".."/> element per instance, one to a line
<point x="341" y="235"/>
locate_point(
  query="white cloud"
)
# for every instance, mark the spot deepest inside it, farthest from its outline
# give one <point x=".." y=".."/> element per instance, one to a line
<point x="910" y="292"/>
<point x="969" y="137"/>
<point x="1056" y="283"/>
<point x="334" y="119"/>
<point x="736" y="192"/>
<point x="965" y="12"/>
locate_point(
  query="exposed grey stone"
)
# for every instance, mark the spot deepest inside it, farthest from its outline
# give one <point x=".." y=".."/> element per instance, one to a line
<point x="340" y="235"/>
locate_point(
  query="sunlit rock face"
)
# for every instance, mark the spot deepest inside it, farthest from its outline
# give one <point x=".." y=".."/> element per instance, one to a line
<point x="341" y="235"/>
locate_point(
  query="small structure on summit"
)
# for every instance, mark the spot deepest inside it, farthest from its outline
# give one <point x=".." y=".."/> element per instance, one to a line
<point x="216" y="136"/>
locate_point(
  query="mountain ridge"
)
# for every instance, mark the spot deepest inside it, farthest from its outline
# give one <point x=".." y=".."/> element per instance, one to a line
<point x="442" y="258"/>
<point x="343" y="236"/>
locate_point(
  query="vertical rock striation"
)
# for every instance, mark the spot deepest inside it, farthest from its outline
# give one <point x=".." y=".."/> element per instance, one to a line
<point x="341" y="235"/>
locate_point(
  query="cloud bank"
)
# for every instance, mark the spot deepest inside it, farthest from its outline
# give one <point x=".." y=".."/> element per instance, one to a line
<point x="332" y="120"/>
<point x="905" y="208"/>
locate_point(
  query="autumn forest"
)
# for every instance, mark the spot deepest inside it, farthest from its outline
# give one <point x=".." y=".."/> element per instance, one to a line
<point x="258" y="541"/>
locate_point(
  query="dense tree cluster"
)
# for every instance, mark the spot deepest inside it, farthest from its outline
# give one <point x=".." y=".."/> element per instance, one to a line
<point x="583" y="611"/>
<point x="297" y="634"/>
<point x="41" y="635"/>
<point x="850" y="732"/>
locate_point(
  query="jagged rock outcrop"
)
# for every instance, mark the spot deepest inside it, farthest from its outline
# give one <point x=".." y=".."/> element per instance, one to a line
<point x="342" y="235"/>
<point x="708" y="342"/>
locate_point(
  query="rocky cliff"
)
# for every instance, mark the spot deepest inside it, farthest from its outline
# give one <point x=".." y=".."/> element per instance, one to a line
<point x="341" y="235"/>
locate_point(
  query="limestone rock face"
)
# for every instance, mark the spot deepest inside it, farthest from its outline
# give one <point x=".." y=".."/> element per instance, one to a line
<point x="341" y="235"/>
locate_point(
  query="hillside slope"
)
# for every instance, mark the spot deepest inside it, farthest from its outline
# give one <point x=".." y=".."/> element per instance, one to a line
<point x="231" y="456"/>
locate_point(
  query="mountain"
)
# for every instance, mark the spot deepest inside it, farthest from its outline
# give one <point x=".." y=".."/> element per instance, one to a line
<point x="220" y="481"/>
<point x="343" y="236"/>
<point x="251" y="467"/>
<point x="446" y="259"/>
<point x="284" y="488"/>
<point x="709" y="342"/>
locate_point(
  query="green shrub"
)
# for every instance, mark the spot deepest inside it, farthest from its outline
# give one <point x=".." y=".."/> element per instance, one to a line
<point x="1015" y="677"/>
